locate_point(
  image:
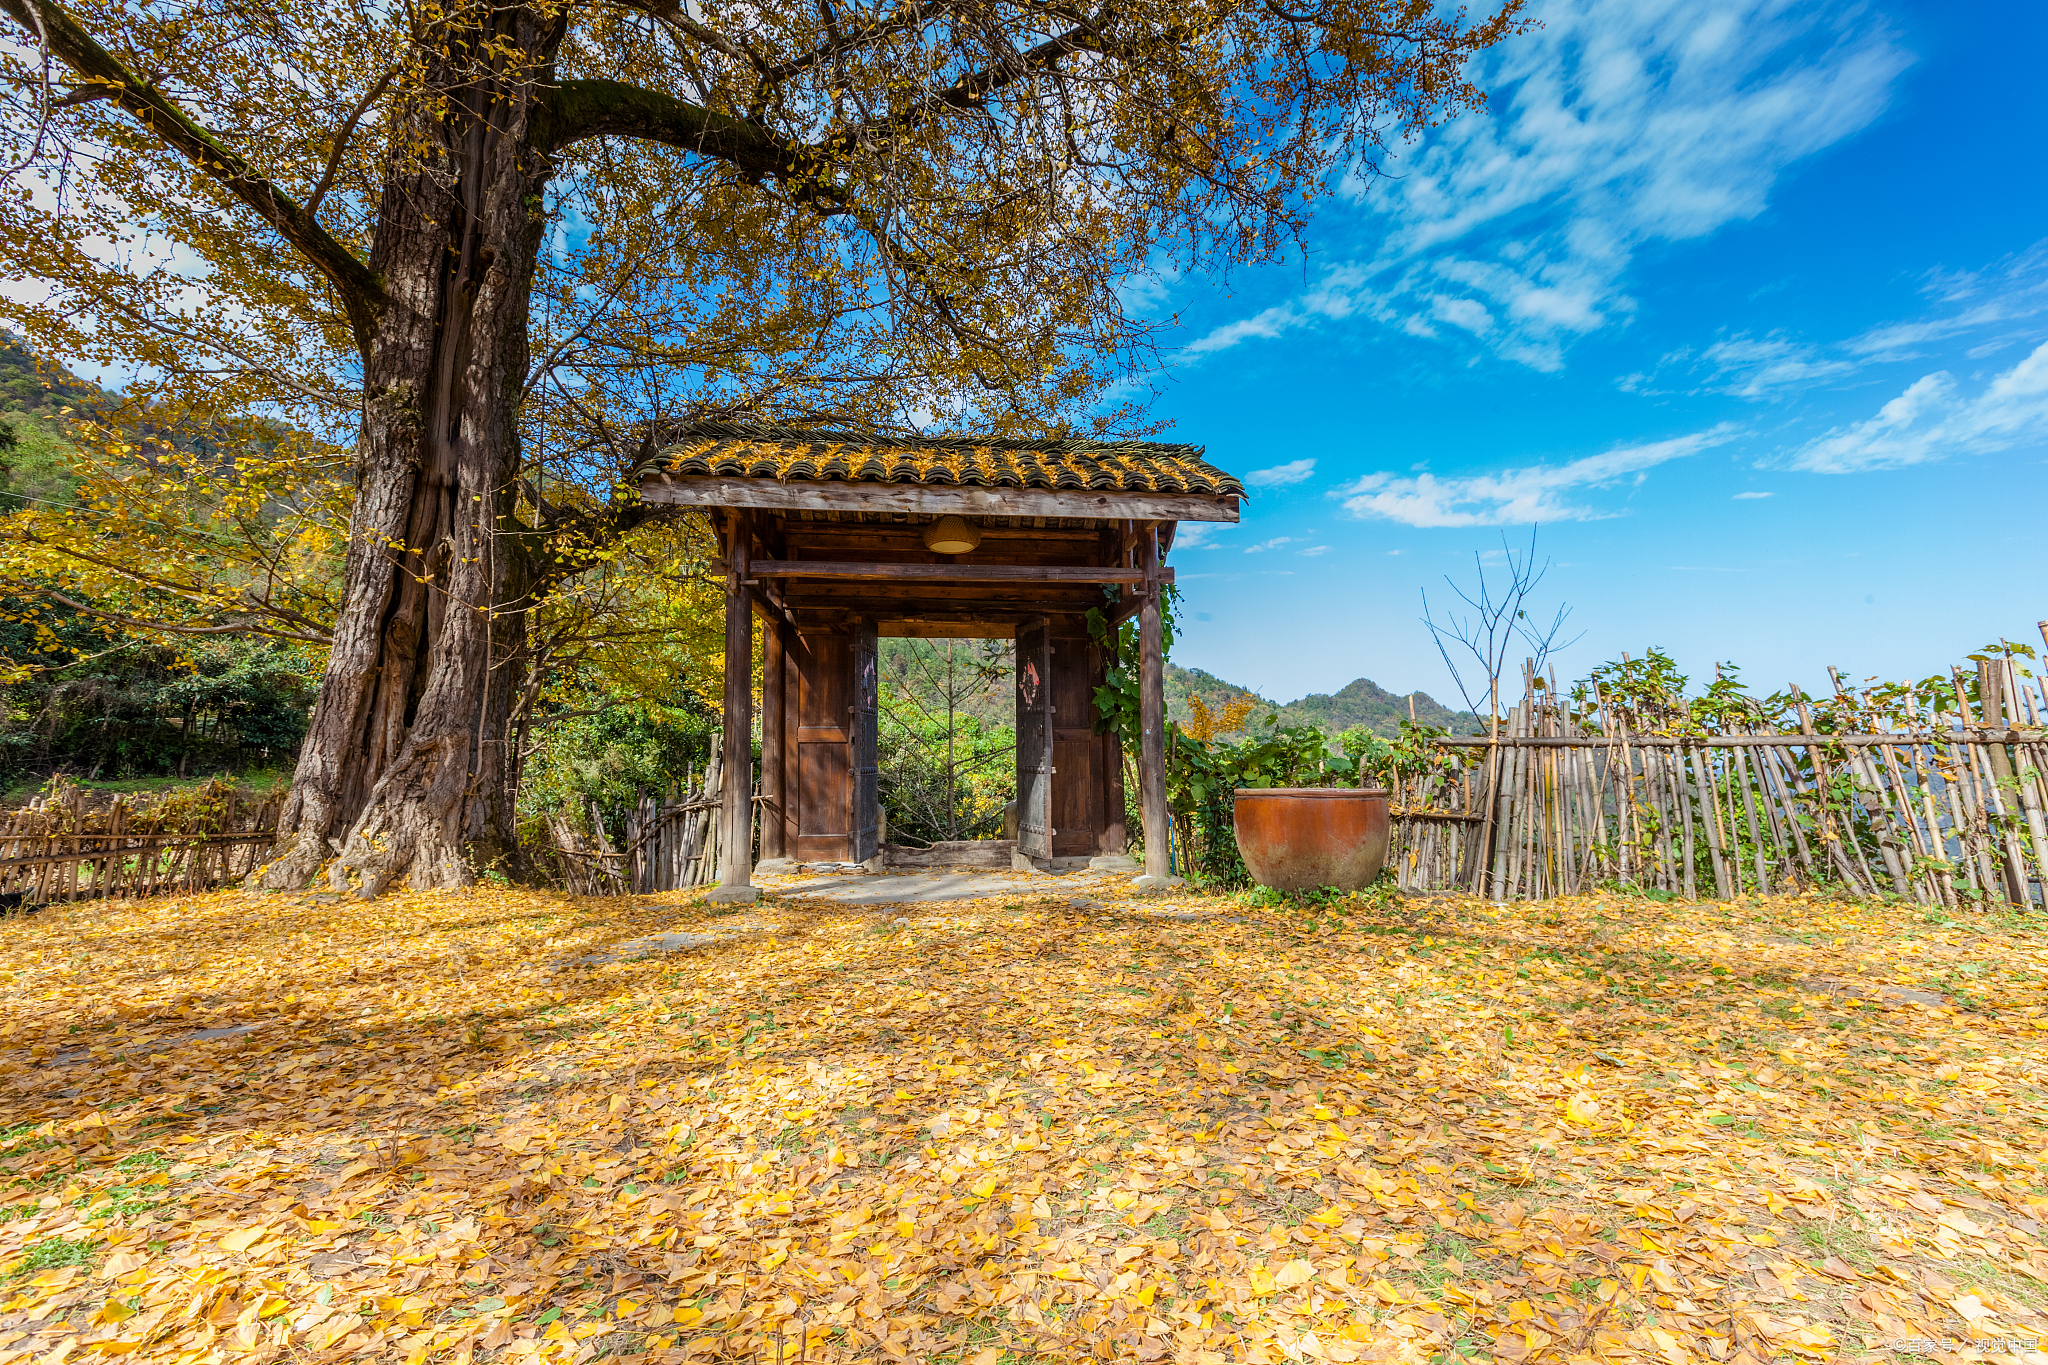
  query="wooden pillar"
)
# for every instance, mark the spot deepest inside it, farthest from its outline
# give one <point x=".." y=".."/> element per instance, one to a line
<point x="795" y="659"/>
<point x="1152" y="713"/>
<point x="736" y="854"/>
<point x="774" y="735"/>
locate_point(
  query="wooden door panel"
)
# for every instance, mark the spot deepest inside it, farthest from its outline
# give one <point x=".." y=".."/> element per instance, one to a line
<point x="824" y="773"/>
<point x="1075" y="789"/>
<point x="1034" y="739"/>
<point x="1077" y="783"/>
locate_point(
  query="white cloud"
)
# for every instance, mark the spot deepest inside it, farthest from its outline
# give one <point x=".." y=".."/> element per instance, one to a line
<point x="1151" y="289"/>
<point x="1199" y="535"/>
<point x="1271" y="323"/>
<point x="2006" y="304"/>
<point x="1315" y="550"/>
<point x="1755" y="367"/>
<point x="1739" y="497"/>
<point x="1743" y="366"/>
<point x="1273" y="544"/>
<point x="1618" y="124"/>
<point x="1340" y="293"/>
<point x="2010" y="294"/>
<point x="1934" y="419"/>
<point x="1294" y="471"/>
<point x="1469" y="314"/>
<point x="1514" y="497"/>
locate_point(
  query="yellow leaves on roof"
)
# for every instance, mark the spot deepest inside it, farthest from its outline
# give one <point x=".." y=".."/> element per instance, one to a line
<point x="722" y="450"/>
<point x="470" y="1129"/>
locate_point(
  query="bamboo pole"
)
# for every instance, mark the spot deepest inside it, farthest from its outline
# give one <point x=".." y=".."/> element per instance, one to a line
<point x="1998" y="766"/>
<point x="1740" y="776"/>
<point x="1486" y="872"/>
<point x="1926" y="883"/>
<point x="1710" y="819"/>
<point x="1774" y="766"/>
<point x="1973" y="794"/>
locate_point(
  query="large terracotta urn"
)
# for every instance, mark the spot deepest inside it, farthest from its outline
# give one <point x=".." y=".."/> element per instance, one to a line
<point x="1300" y="838"/>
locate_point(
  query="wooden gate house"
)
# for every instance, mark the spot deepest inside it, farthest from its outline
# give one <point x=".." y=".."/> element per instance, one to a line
<point x="838" y="539"/>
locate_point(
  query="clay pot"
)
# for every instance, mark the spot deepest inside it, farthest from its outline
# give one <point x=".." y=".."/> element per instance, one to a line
<point x="1300" y="838"/>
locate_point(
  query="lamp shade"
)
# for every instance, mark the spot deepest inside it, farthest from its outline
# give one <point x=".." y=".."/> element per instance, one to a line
<point x="951" y="536"/>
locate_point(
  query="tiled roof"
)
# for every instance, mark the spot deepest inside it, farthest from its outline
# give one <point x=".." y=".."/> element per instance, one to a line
<point x="786" y="453"/>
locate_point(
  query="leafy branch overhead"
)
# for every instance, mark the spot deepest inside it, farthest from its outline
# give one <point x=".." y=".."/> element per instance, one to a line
<point x="1000" y="167"/>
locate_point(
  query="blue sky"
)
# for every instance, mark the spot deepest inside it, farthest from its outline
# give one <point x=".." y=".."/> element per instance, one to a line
<point x="1746" y="305"/>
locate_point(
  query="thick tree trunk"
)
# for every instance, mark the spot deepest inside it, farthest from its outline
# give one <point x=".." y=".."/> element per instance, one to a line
<point x="405" y="772"/>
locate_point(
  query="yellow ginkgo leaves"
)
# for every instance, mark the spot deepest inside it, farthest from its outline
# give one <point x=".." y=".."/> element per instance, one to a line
<point x="734" y="1148"/>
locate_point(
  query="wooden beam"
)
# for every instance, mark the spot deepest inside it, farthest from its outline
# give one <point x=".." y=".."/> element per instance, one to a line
<point x="695" y="490"/>
<point x="922" y="629"/>
<point x="1152" y="719"/>
<point x="991" y="624"/>
<point x="1004" y="618"/>
<point x="916" y="599"/>
<point x="909" y="535"/>
<point x="948" y="573"/>
<point x="949" y="595"/>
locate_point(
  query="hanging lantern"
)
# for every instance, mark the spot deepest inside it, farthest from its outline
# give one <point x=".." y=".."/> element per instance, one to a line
<point x="951" y="536"/>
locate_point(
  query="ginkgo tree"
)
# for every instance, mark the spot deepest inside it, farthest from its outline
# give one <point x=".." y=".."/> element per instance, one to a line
<point x="505" y="246"/>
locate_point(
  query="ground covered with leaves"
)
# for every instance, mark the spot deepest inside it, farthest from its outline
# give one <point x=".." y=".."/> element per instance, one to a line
<point x="508" y="1125"/>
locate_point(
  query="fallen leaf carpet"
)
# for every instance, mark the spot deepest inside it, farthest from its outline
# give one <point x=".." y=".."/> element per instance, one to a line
<point x="505" y="1125"/>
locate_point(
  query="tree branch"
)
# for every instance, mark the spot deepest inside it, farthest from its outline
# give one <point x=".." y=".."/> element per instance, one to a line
<point x="276" y="376"/>
<point x="967" y="91"/>
<point x="672" y="14"/>
<point x="578" y="109"/>
<point x="362" y="294"/>
<point x="194" y="593"/>
<point x="140" y="623"/>
<point x="902" y="17"/>
<point x="341" y="140"/>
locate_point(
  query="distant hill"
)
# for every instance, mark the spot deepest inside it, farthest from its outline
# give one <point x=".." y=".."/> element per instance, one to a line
<point x="918" y="667"/>
<point x="1362" y="702"/>
<point x="35" y="447"/>
<point x="42" y="388"/>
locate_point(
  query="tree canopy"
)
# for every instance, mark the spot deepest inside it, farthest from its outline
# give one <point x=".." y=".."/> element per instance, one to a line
<point x="902" y="214"/>
<point x="504" y="248"/>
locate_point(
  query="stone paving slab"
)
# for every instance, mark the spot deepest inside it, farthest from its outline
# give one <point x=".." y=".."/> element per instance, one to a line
<point x="1875" y="990"/>
<point x="81" y="1055"/>
<point x="922" y="888"/>
<point x="675" y="942"/>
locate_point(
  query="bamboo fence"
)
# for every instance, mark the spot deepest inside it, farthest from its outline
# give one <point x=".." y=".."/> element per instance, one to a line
<point x="671" y="845"/>
<point x="1942" y="804"/>
<point x="56" y="848"/>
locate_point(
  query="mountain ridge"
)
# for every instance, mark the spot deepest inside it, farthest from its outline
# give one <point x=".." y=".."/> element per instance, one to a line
<point x="1359" y="702"/>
